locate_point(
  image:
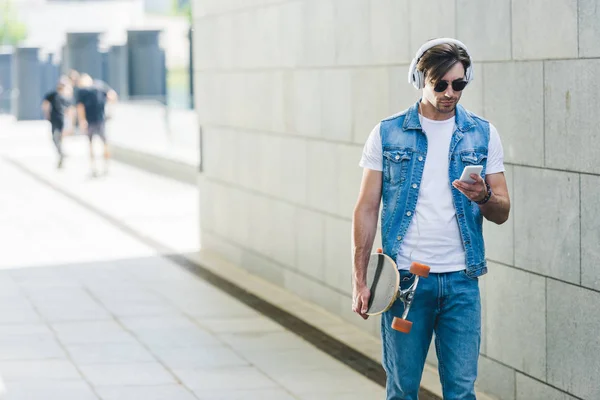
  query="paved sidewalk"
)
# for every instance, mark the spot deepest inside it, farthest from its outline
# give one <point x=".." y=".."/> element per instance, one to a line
<point x="88" y="310"/>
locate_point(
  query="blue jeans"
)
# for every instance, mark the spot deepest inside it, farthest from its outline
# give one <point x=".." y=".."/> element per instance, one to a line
<point x="449" y="305"/>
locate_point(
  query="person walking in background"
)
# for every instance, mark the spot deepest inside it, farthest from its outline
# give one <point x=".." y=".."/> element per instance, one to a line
<point x="91" y="103"/>
<point x="57" y="108"/>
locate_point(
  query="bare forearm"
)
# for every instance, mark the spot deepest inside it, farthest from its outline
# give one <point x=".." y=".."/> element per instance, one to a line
<point x="46" y="109"/>
<point x="496" y="209"/>
<point x="80" y="112"/>
<point x="364" y="229"/>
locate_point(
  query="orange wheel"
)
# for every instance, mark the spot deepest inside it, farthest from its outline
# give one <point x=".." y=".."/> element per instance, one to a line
<point x="380" y="250"/>
<point x="419" y="269"/>
<point x="401" y="325"/>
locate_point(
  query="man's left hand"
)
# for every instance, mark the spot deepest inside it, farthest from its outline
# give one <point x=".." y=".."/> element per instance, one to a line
<point x="474" y="191"/>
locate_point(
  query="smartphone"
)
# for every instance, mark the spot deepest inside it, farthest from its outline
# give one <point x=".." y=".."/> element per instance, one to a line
<point x="470" y="169"/>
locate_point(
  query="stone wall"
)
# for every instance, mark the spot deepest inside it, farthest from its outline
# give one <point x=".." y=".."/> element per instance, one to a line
<point x="288" y="91"/>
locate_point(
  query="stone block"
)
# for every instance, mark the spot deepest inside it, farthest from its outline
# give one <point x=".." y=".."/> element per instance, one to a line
<point x="319" y="33"/>
<point x="389" y="31"/>
<point x="430" y="19"/>
<point x="282" y="162"/>
<point x="292" y="32"/>
<point x="517" y="111"/>
<point x="250" y="160"/>
<point x="472" y="97"/>
<point x="352" y="33"/>
<point x="314" y="291"/>
<point x="336" y="100"/>
<point x="303" y="102"/>
<point x="370" y="100"/>
<point x="310" y="243"/>
<point x="590" y="231"/>
<point x="219" y="153"/>
<point x="215" y="243"/>
<point x="535" y="37"/>
<point x="268" y="40"/>
<point x="253" y="99"/>
<point x="499" y="239"/>
<point x="402" y="94"/>
<point x="270" y="231"/>
<point x="246" y="39"/>
<point x="515" y="319"/>
<point x="198" y="9"/>
<point x="205" y="100"/>
<point x="238" y="214"/>
<point x="338" y="254"/>
<point x="531" y="389"/>
<point x="207" y="203"/>
<point x="293" y="158"/>
<point x="221" y="203"/>
<point x="349" y="180"/>
<point x="224" y="45"/>
<point x="263" y="267"/>
<point x="571" y="115"/>
<point x="589" y="28"/>
<point x="282" y="240"/>
<point x="265" y="160"/>
<point x="496" y="379"/>
<point x="546" y="215"/>
<point x="484" y="27"/>
<point x="259" y="224"/>
<point x="275" y="118"/>
<point x="323" y="176"/>
<point x="573" y="340"/>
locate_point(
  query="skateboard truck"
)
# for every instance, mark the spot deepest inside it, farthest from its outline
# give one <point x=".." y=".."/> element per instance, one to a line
<point x="406" y="296"/>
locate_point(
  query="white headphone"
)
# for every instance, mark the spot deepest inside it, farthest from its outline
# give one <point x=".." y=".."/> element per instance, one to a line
<point x="417" y="78"/>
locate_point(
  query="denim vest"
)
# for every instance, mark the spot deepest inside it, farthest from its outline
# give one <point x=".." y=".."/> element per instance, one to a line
<point x="404" y="153"/>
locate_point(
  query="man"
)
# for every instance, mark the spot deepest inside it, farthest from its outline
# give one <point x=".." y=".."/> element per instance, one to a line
<point x="91" y="103"/>
<point x="412" y="162"/>
<point x="57" y="109"/>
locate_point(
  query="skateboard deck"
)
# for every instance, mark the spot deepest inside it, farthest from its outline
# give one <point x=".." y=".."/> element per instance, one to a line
<point x="383" y="280"/>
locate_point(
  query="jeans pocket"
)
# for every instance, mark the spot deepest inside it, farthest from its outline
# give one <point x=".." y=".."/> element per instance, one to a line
<point x="464" y="273"/>
<point x="406" y="279"/>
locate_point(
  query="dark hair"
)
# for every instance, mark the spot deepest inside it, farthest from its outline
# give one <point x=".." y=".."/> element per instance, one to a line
<point x="438" y="60"/>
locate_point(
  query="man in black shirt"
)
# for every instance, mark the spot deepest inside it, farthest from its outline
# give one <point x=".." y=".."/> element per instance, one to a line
<point x="57" y="109"/>
<point x="91" y="102"/>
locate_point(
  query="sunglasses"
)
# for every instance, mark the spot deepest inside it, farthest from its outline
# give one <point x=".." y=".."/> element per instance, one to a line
<point x="457" y="85"/>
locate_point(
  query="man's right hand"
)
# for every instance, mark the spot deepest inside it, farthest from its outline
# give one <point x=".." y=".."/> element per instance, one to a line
<point x="360" y="300"/>
<point x="83" y="125"/>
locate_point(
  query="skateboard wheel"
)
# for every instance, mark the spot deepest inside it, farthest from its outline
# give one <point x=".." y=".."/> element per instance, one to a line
<point x="419" y="269"/>
<point x="380" y="250"/>
<point x="401" y="325"/>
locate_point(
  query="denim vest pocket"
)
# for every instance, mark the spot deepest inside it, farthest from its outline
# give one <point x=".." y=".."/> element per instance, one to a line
<point x="472" y="157"/>
<point x="395" y="165"/>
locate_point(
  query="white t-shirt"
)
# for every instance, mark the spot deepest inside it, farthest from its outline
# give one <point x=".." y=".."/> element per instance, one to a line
<point x="433" y="236"/>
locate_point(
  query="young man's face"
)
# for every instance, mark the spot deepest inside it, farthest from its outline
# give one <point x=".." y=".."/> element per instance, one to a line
<point x="445" y="102"/>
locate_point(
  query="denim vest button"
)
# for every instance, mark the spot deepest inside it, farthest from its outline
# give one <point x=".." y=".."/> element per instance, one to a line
<point x="420" y="158"/>
<point x="408" y="214"/>
<point x="414" y="185"/>
<point x="397" y="157"/>
<point x="399" y="238"/>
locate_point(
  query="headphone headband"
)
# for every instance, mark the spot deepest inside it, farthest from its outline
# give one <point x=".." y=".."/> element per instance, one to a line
<point x="417" y="78"/>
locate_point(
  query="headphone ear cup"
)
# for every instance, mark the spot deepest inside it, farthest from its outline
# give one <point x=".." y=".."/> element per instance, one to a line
<point x="420" y="81"/>
<point x="469" y="73"/>
<point x="415" y="79"/>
